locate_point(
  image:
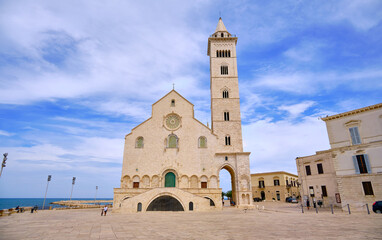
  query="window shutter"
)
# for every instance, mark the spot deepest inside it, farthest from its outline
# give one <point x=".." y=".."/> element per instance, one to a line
<point x="352" y="135"/>
<point x="368" y="167"/>
<point x="356" y="135"/>
<point x="356" y="164"/>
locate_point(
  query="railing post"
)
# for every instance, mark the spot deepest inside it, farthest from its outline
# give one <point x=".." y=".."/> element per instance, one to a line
<point x="367" y="207"/>
<point x="331" y="207"/>
<point x="349" y="208"/>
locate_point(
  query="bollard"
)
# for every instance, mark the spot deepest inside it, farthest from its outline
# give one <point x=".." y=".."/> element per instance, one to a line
<point x="316" y="209"/>
<point x="349" y="208"/>
<point x="331" y="206"/>
<point x="367" y="207"/>
<point x="302" y="208"/>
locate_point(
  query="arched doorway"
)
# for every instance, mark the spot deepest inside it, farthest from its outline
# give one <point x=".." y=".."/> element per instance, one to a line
<point x="165" y="203"/>
<point x="169" y="180"/>
<point x="212" y="204"/>
<point x="227" y="182"/>
<point x="262" y="195"/>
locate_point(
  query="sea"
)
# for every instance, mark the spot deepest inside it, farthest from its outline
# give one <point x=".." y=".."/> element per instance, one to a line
<point x="6" y="203"/>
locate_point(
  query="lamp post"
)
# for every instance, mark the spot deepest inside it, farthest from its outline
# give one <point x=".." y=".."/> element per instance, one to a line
<point x="73" y="182"/>
<point x="4" y="162"/>
<point x="95" y="197"/>
<point x="46" y="191"/>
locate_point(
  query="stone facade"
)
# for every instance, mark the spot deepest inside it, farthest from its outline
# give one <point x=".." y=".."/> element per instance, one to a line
<point x="174" y="158"/>
<point x="356" y="156"/>
<point x="318" y="185"/>
<point x="274" y="186"/>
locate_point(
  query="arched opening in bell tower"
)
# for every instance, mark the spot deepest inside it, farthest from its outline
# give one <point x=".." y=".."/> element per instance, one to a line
<point x="227" y="184"/>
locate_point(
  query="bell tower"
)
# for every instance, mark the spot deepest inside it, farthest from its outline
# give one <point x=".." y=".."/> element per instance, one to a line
<point x="225" y="113"/>
<point x="225" y="99"/>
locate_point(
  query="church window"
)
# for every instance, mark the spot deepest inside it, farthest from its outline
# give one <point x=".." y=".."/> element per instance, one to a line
<point x="169" y="180"/>
<point x="225" y="53"/>
<point x="226" y="158"/>
<point x="226" y="116"/>
<point x="225" y="94"/>
<point x="229" y="53"/>
<point x="217" y="53"/>
<point x="191" y="206"/>
<point x="224" y="70"/>
<point x="172" y="141"/>
<point x="135" y="184"/>
<point x="202" y="142"/>
<point x="222" y="35"/>
<point x="139" y="207"/>
<point x="139" y="142"/>
<point x="204" y="184"/>
<point x="220" y="53"/>
<point x="227" y="140"/>
<point x="173" y="103"/>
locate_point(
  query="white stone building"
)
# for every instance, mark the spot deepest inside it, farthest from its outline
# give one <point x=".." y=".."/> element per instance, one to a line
<point x="172" y="161"/>
<point x="354" y="161"/>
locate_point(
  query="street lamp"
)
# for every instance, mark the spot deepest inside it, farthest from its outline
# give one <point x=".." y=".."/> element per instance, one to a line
<point x="47" y="184"/>
<point x="4" y="162"/>
<point x="95" y="197"/>
<point x="73" y="182"/>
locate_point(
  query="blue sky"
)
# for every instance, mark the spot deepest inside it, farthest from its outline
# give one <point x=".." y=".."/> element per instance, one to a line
<point x="76" y="76"/>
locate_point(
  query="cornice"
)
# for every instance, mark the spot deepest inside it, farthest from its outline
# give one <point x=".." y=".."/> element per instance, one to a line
<point x="353" y="112"/>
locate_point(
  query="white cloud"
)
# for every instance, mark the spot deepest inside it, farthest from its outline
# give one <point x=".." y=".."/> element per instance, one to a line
<point x="305" y="83"/>
<point x="5" y="133"/>
<point x="274" y="145"/>
<point x="296" y="110"/>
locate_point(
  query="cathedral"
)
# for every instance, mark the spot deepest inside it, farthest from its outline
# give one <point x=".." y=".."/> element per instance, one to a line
<point x="172" y="161"/>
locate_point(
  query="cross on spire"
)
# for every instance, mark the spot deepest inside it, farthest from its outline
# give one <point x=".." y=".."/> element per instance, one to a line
<point x="173" y="86"/>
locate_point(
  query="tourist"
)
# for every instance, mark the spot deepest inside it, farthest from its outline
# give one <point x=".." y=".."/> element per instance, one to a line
<point x="307" y="203"/>
<point x="105" y="210"/>
<point x="102" y="212"/>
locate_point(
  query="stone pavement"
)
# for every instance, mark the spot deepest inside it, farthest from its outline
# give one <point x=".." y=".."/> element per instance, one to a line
<point x="276" y="221"/>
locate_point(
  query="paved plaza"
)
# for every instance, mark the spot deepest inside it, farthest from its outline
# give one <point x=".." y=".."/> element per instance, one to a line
<point x="276" y="221"/>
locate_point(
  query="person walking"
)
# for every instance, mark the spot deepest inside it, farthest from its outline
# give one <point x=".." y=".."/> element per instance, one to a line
<point x="105" y="210"/>
<point x="307" y="203"/>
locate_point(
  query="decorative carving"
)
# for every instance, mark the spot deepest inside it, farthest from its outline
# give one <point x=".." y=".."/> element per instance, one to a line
<point x="172" y="121"/>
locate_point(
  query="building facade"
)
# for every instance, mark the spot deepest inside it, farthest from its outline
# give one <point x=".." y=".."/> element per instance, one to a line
<point x="274" y="186"/>
<point x="355" y="155"/>
<point x="172" y="161"/>
<point x="317" y="178"/>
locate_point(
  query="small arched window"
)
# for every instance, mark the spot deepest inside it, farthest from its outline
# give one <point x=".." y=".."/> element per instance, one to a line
<point x="191" y="206"/>
<point x="172" y="141"/>
<point x="217" y="53"/>
<point x="225" y="94"/>
<point x="222" y="35"/>
<point x="224" y="70"/>
<point x="173" y="103"/>
<point x="227" y="140"/>
<point x="139" y="142"/>
<point x="226" y="116"/>
<point x="139" y="207"/>
<point x="229" y="53"/>
<point x="202" y="142"/>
